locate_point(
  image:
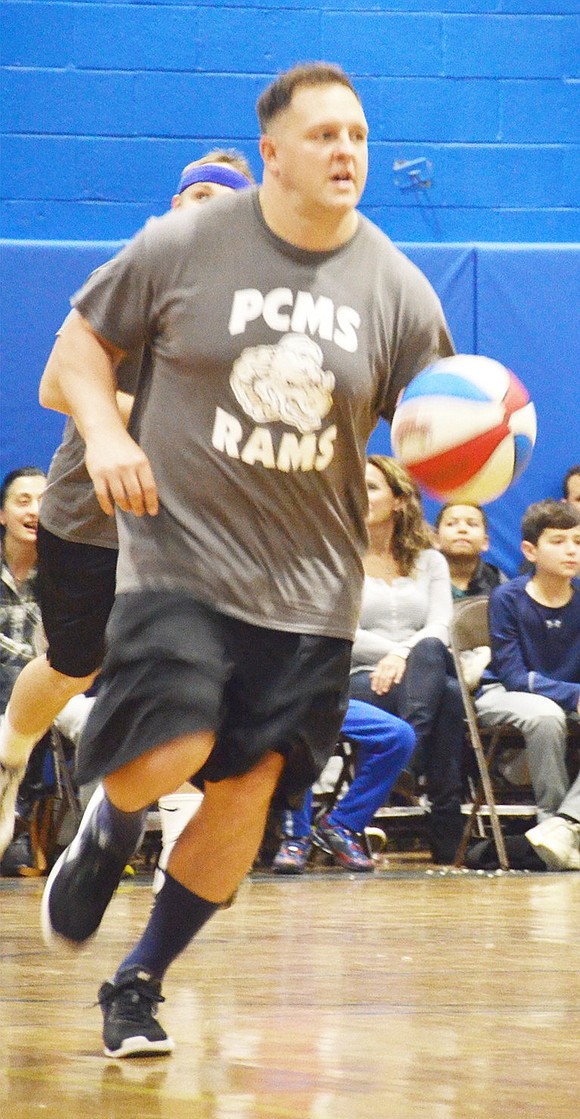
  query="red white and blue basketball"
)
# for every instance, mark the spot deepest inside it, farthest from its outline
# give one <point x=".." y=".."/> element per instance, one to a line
<point x="465" y="429"/>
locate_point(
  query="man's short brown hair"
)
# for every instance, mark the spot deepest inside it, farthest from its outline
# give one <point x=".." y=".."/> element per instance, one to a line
<point x="278" y="95"/>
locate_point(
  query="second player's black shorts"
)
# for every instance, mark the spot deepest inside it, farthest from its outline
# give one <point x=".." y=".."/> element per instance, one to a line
<point x="77" y="589"/>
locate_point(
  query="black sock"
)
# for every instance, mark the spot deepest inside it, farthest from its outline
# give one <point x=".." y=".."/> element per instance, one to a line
<point x="123" y="830"/>
<point x="177" y="915"/>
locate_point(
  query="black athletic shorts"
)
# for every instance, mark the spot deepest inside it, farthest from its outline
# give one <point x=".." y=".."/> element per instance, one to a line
<point x="77" y="589"/>
<point x="175" y="666"/>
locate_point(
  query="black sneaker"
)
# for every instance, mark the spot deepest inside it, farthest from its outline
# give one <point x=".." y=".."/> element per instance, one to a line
<point x="129" y="1008"/>
<point x="81" y="883"/>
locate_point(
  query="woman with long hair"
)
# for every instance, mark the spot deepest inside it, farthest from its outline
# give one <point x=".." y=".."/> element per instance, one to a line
<point x="400" y="658"/>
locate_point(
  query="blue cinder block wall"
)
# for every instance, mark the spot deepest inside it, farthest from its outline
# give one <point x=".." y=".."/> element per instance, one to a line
<point x="105" y="100"/>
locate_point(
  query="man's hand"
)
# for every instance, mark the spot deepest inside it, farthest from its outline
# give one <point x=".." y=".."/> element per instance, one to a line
<point x="121" y="474"/>
<point x="390" y="670"/>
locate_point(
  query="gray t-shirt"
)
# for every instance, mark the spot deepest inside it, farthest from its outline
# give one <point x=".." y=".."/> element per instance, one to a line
<point x="270" y="366"/>
<point x="69" y="506"/>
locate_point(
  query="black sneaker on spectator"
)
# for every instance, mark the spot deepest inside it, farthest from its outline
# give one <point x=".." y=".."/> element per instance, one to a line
<point x="129" y="1006"/>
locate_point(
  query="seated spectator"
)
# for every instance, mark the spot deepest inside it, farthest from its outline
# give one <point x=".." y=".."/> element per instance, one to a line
<point x="462" y="537"/>
<point x="400" y="659"/>
<point x="570" y="496"/>
<point x="20" y="495"/>
<point x="533" y="680"/>
<point x="571" y="486"/>
<point x="384" y="746"/>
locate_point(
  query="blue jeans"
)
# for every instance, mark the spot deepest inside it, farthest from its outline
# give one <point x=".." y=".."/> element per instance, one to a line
<point x="428" y="698"/>
<point x="384" y="745"/>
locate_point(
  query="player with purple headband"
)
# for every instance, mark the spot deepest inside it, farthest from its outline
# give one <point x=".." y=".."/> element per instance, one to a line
<point x="77" y="548"/>
<point x="209" y="177"/>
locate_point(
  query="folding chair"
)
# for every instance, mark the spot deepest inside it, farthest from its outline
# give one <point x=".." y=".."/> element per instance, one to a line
<point x="470" y="630"/>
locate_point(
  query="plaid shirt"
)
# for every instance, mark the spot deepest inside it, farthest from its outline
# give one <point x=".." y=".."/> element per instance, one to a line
<point x="19" y="616"/>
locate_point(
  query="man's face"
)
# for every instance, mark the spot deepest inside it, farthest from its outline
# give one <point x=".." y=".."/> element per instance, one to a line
<point x="197" y="194"/>
<point x="556" y="553"/>
<point x="462" y="532"/>
<point x="20" y="513"/>
<point x="317" y="149"/>
<point x="573" y="491"/>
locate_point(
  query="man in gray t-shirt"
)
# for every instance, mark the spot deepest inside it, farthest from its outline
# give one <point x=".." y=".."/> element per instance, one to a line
<point x="281" y="324"/>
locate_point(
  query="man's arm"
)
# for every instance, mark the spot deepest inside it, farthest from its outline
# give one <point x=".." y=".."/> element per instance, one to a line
<point x="80" y="380"/>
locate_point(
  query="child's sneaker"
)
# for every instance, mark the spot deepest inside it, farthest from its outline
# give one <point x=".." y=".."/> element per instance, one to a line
<point x="557" y="842"/>
<point x="292" y="855"/>
<point x="345" y="845"/>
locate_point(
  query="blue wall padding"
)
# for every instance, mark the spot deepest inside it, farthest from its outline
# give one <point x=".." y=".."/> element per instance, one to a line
<point x="516" y="303"/>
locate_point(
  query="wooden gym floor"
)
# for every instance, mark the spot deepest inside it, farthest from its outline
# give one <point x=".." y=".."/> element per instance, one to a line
<point x="412" y="994"/>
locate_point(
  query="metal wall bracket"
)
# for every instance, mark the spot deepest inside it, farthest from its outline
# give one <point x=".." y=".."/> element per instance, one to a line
<point x="413" y="174"/>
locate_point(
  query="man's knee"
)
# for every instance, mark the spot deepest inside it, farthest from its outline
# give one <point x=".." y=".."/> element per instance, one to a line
<point x="544" y="715"/>
<point x="69" y="686"/>
<point x="428" y="651"/>
<point x="257" y="785"/>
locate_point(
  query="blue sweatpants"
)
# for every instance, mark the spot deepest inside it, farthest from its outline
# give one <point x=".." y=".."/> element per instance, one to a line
<point x="384" y="745"/>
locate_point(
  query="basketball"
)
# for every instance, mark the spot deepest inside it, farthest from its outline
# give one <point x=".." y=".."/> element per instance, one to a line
<point x="465" y="429"/>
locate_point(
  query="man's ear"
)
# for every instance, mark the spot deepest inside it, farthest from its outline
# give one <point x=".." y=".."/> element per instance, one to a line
<point x="268" y="150"/>
<point x="529" y="550"/>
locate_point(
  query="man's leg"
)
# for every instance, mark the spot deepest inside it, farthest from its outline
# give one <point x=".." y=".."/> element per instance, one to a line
<point x="211" y="857"/>
<point x="86" y="875"/>
<point x="543" y="726"/>
<point x="385" y="744"/>
<point x="444" y="775"/>
<point x="557" y="839"/>
<point x="294" y="850"/>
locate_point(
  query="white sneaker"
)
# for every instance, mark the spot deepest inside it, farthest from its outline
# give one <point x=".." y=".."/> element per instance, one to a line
<point x="10" y="778"/>
<point x="557" y="842"/>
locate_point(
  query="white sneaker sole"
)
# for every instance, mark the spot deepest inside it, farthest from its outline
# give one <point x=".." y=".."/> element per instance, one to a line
<point x="140" y="1047"/>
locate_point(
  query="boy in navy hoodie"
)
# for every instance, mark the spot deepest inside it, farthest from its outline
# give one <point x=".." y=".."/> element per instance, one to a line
<point x="533" y="680"/>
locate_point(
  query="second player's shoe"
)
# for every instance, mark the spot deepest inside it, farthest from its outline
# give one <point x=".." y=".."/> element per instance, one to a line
<point x="82" y="882"/>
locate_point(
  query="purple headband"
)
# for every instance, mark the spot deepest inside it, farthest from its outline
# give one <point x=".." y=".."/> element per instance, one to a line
<point x="213" y="173"/>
